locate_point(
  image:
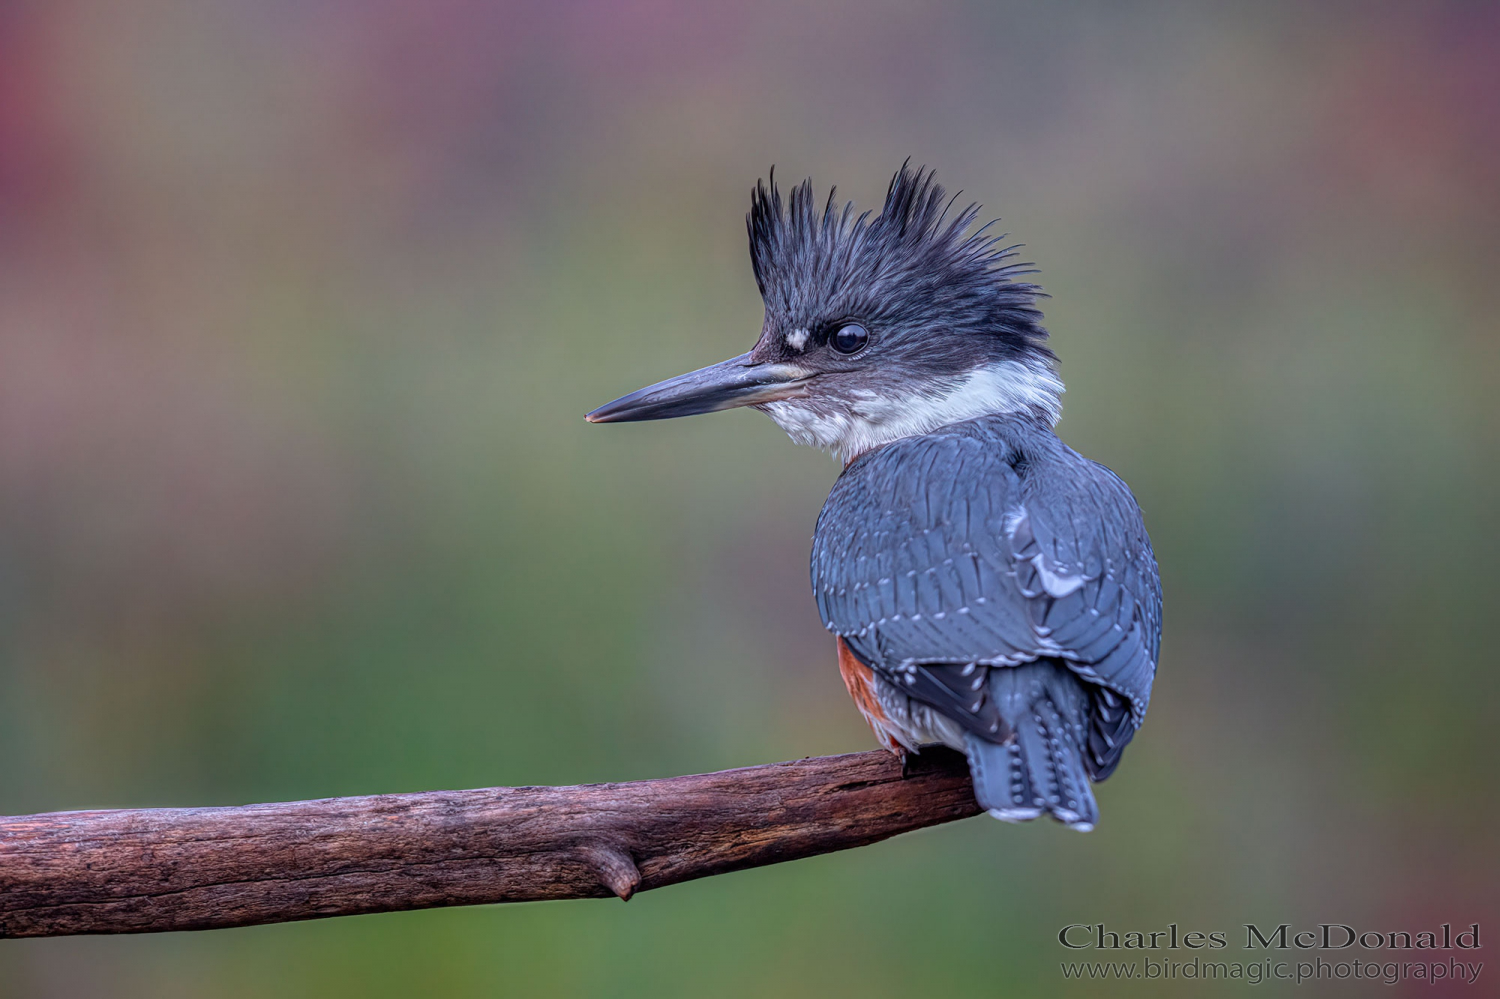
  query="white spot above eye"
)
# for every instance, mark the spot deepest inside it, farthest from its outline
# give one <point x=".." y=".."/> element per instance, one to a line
<point x="797" y="339"/>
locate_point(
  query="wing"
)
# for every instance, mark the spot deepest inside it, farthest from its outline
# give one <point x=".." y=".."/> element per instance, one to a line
<point x="990" y="545"/>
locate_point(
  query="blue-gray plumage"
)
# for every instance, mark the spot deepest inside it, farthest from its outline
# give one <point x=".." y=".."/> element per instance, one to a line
<point x="991" y="589"/>
<point x="990" y="572"/>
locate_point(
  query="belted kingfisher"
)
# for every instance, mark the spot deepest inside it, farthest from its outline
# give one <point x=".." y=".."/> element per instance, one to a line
<point x="990" y="589"/>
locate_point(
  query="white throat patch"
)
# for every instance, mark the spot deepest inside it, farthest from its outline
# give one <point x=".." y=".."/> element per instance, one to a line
<point x="850" y="427"/>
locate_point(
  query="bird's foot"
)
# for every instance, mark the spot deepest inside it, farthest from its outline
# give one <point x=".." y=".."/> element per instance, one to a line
<point x="930" y="759"/>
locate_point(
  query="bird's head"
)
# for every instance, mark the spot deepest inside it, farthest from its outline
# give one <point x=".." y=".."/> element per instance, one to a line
<point x="876" y="328"/>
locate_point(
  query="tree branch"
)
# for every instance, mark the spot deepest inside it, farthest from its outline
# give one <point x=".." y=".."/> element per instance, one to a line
<point x="153" y="869"/>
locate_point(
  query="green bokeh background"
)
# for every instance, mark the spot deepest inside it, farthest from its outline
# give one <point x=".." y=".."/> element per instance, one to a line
<point x="300" y="307"/>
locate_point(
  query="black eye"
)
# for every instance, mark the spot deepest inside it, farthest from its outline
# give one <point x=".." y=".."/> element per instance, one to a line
<point x="850" y="339"/>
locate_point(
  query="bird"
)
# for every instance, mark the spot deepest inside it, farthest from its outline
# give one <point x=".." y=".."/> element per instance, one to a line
<point x="989" y="588"/>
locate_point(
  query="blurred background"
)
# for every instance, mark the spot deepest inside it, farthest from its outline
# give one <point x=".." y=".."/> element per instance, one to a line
<point x="301" y="305"/>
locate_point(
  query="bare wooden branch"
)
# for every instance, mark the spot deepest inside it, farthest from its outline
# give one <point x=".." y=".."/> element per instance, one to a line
<point x="153" y="869"/>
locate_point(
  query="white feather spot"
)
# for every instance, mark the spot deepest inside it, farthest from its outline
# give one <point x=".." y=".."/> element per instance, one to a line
<point x="1056" y="584"/>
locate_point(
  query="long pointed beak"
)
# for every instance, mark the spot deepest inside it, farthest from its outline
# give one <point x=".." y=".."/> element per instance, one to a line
<point x="738" y="381"/>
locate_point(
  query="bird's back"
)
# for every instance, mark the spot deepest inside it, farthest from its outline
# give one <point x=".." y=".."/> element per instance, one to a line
<point x="990" y="574"/>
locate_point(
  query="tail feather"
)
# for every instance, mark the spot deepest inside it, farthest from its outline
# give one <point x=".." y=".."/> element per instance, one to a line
<point x="1040" y="768"/>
